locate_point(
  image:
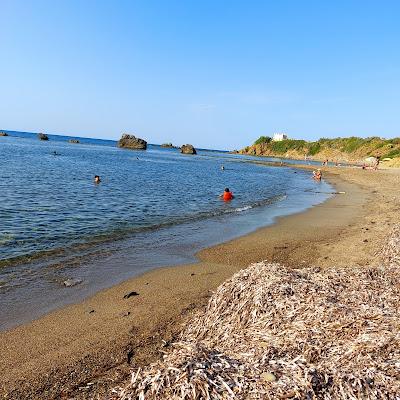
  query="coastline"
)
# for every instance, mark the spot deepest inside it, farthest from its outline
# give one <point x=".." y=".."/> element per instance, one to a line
<point x="59" y="354"/>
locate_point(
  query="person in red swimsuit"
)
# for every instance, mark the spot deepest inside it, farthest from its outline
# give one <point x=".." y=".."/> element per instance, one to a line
<point x="227" y="195"/>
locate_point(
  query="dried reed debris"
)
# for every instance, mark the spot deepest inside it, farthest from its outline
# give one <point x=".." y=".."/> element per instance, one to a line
<point x="275" y="333"/>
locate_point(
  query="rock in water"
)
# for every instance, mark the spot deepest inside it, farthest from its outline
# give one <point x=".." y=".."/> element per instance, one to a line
<point x="73" y="141"/>
<point x="168" y="145"/>
<point x="132" y="142"/>
<point x="72" y="282"/>
<point x="188" y="149"/>
<point x="3" y="134"/>
<point x="42" y="136"/>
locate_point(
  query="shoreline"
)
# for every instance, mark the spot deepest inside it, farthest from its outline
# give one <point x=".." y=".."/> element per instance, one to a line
<point x="133" y="254"/>
<point x="103" y="337"/>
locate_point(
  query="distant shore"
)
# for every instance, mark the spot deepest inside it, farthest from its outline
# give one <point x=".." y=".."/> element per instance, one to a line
<point x="85" y="349"/>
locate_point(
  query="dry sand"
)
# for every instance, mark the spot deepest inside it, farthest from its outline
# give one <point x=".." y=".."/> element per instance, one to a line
<point x="83" y="350"/>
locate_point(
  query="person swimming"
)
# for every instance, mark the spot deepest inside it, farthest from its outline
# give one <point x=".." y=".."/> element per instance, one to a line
<point x="227" y="195"/>
<point x="222" y="167"/>
<point x="97" y="179"/>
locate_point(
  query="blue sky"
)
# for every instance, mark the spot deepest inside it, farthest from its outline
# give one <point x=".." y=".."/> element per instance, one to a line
<point x="216" y="74"/>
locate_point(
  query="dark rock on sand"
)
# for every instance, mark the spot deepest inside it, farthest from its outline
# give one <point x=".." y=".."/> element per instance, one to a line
<point x="188" y="149"/>
<point x="42" y="136"/>
<point x="131" y="294"/>
<point x="72" y="282"/>
<point x="76" y="141"/>
<point x="132" y="142"/>
<point x="3" y="134"/>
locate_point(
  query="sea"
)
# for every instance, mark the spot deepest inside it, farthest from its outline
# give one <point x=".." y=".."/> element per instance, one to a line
<point x="63" y="237"/>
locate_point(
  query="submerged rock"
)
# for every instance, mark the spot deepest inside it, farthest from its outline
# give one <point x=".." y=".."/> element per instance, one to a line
<point x="188" y="149"/>
<point x="42" y="136"/>
<point x="73" y="141"/>
<point x="3" y="134"/>
<point x="132" y="142"/>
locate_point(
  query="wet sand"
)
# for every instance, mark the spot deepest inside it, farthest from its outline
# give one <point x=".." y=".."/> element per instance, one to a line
<point x="83" y="350"/>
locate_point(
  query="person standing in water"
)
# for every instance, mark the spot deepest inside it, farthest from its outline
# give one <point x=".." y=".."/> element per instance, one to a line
<point x="97" y="179"/>
<point x="227" y="195"/>
<point x="317" y="175"/>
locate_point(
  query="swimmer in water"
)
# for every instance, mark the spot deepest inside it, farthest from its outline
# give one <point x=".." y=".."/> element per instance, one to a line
<point x="222" y="167"/>
<point x="227" y="195"/>
<point x="317" y="175"/>
<point x="97" y="179"/>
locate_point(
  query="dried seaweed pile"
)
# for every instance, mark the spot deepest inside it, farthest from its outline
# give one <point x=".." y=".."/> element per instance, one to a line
<point x="391" y="250"/>
<point x="275" y="333"/>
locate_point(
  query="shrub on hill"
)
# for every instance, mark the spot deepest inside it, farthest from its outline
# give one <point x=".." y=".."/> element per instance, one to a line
<point x="263" y="139"/>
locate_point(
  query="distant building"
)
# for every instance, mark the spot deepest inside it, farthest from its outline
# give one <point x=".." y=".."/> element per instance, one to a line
<point x="279" y="137"/>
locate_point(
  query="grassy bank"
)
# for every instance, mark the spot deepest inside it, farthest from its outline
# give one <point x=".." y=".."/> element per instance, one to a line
<point x="340" y="149"/>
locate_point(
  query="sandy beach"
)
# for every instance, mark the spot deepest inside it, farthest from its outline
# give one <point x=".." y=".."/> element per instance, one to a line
<point x="83" y="350"/>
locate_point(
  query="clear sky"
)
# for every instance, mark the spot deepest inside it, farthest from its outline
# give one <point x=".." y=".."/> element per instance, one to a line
<point x="216" y="74"/>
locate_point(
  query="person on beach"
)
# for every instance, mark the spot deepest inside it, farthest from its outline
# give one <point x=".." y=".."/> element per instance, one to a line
<point x="227" y="195"/>
<point x="378" y="159"/>
<point x="97" y="179"/>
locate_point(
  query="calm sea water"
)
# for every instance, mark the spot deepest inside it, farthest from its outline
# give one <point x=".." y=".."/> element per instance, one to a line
<point x="153" y="208"/>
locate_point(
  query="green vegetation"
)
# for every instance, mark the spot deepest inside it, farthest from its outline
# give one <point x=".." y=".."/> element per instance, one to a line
<point x="392" y="154"/>
<point x="263" y="139"/>
<point x="289" y="144"/>
<point x="313" y="148"/>
<point x="351" y="148"/>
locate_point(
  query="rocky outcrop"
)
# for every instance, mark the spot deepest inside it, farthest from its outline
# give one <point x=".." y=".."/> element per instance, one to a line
<point x="188" y="149"/>
<point x="76" y="141"/>
<point x="132" y="142"/>
<point x="3" y="134"/>
<point x="42" y="136"/>
<point x="168" y="145"/>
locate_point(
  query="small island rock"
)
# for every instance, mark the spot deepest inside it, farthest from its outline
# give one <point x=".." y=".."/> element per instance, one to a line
<point x="169" y="145"/>
<point x="3" y="134"/>
<point x="188" y="149"/>
<point x="42" y="136"/>
<point x="132" y="142"/>
<point x="73" y="141"/>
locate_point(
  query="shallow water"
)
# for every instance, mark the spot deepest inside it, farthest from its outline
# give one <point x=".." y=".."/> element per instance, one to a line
<point x="152" y="208"/>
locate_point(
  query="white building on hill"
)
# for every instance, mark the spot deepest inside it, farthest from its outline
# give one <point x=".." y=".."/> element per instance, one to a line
<point x="279" y="137"/>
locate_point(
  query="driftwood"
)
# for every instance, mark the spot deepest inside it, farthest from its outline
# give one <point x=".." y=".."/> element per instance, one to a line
<point x="271" y="332"/>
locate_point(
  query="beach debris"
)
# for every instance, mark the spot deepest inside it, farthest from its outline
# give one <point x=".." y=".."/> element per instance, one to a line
<point x="72" y="282"/>
<point x="129" y="355"/>
<point x="124" y="313"/>
<point x="391" y="250"/>
<point x="268" y="377"/>
<point x="131" y="294"/>
<point x="91" y="311"/>
<point x="336" y="337"/>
